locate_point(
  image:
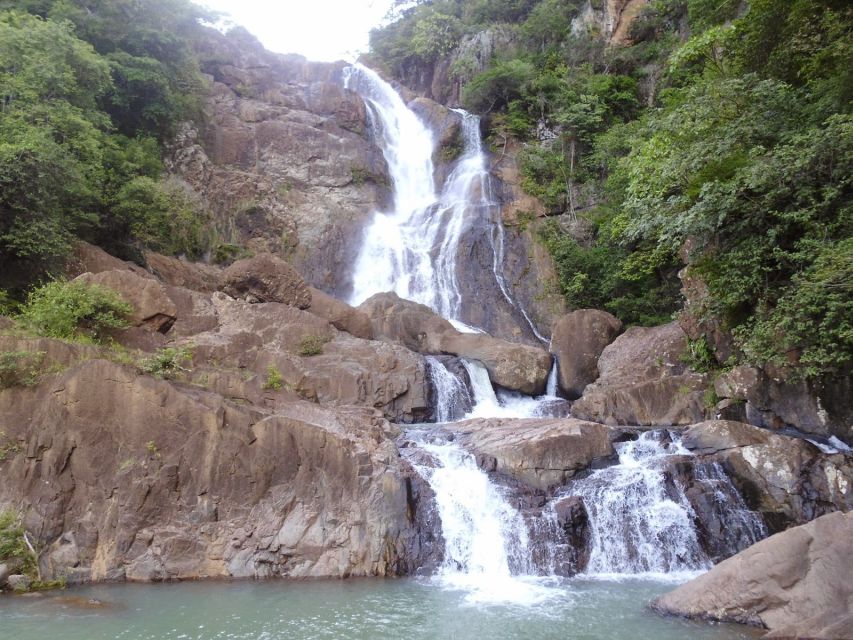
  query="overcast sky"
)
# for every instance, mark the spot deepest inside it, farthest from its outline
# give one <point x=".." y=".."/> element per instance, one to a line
<point x="318" y="29"/>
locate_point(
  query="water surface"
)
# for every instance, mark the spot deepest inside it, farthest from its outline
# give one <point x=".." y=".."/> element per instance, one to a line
<point x="577" y="609"/>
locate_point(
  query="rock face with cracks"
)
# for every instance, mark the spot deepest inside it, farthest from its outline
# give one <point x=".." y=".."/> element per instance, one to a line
<point x="796" y="584"/>
<point x="124" y="476"/>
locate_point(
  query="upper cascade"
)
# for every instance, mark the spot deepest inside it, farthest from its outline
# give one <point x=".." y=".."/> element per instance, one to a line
<point x="415" y="249"/>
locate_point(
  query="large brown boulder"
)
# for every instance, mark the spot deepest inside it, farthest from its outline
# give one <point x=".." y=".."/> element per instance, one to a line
<point x="87" y="258"/>
<point x="643" y="381"/>
<point x="315" y="360"/>
<point x="266" y="278"/>
<point x="511" y="365"/>
<point x="178" y="272"/>
<point x="340" y="315"/>
<point x="795" y="583"/>
<point x="153" y="309"/>
<point x="540" y="452"/>
<point x="577" y="340"/>
<point x="749" y="394"/>
<point x="789" y="480"/>
<point x="120" y="475"/>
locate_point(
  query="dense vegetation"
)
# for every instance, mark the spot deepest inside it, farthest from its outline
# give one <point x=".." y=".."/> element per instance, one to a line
<point x="719" y="136"/>
<point x="90" y="90"/>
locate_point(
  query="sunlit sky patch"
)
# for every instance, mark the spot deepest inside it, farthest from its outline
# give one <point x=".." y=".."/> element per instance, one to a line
<point x="318" y="29"/>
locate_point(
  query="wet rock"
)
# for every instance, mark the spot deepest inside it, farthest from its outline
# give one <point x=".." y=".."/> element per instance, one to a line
<point x="572" y="519"/>
<point x="795" y="583"/>
<point x="577" y="340"/>
<point x="266" y="278"/>
<point x="540" y="452"/>
<point x="153" y="309"/>
<point x="789" y="480"/>
<point x="513" y="366"/>
<point x="128" y="476"/>
<point x="643" y="381"/>
<point x="4" y="574"/>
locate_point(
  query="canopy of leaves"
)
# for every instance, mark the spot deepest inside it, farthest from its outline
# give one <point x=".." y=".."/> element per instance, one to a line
<point x="720" y="138"/>
<point x="89" y="91"/>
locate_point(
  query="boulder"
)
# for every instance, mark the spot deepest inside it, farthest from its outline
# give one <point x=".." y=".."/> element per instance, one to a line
<point x="643" y="381"/>
<point x="514" y="366"/>
<point x="795" y="583"/>
<point x="183" y="273"/>
<point x="266" y="278"/>
<point x="4" y="574"/>
<point x="153" y="309"/>
<point x="87" y="258"/>
<point x="128" y="477"/>
<point x="775" y="403"/>
<point x="340" y="315"/>
<point x="540" y="452"/>
<point x="315" y="360"/>
<point x="19" y="582"/>
<point x="577" y="340"/>
<point x="789" y="480"/>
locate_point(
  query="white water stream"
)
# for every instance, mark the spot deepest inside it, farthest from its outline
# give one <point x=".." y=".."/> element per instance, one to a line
<point x="639" y="523"/>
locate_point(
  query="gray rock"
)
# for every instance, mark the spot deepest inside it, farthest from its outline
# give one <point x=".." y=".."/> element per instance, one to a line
<point x="789" y="480"/>
<point x="796" y="584"/>
<point x="643" y="381"/>
<point x="18" y="582"/>
<point x="577" y="340"/>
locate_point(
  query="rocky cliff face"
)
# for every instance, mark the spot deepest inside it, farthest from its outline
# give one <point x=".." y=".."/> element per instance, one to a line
<point x="125" y="476"/>
<point x="284" y="162"/>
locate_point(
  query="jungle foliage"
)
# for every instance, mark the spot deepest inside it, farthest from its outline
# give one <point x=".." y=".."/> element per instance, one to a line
<point x="90" y="90"/>
<point x="720" y="137"/>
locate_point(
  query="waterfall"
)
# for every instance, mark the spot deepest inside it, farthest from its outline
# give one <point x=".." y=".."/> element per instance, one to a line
<point x="487" y="549"/>
<point x="452" y="398"/>
<point x="551" y="387"/>
<point x="414" y="249"/>
<point x="640" y="522"/>
<point x="511" y="404"/>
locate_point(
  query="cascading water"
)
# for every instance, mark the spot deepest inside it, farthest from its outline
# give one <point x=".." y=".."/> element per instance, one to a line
<point x="414" y="249"/>
<point x="452" y="398"/>
<point x="641" y="521"/>
<point x="486" y="542"/>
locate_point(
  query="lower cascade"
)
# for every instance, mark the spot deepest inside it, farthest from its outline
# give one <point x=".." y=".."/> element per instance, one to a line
<point x="640" y="519"/>
<point x="637" y="517"/>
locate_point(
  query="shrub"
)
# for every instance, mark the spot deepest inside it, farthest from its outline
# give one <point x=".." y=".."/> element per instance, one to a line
<point x="20" y="368"/>
<point x="167" y="363"/>
<point x="312" y="345"/>
<point x="13" y="546"/>
<point x="274" y="379"/>
<point x="74" y="310"/>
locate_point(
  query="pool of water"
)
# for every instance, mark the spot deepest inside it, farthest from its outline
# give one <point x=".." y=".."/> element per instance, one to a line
<point x="411" y="608"/>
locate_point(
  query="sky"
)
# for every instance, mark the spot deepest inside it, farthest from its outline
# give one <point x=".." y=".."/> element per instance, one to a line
<point x="318" y="29"/>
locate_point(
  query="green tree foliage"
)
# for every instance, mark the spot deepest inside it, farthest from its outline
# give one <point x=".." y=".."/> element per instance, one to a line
<point x="721" y="137"/>
<point x="89" y="91"/>
<point x="74" y="310"/>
